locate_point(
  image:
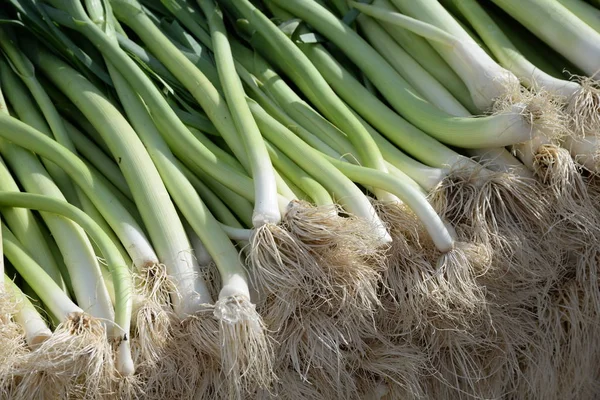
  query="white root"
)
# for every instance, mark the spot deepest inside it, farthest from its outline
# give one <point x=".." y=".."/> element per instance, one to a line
<point x="179" y="371"/>
<point x="246" y="352"/>
<point x="583" y="107"/>
<point x="277" y="260"/>
<point x="456" y="273"/>
<point x="12" y="344"/>
<point x="76" y="361"/>
<point x="390" y="368"/>
<point x="152" y="314"/>
<point x="348" y="254"/>
<point x="503" y="212"/>
<point x="575" y="219"/>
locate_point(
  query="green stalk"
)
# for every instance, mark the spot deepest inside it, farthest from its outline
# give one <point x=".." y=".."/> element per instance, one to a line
<point x="60" y="128"/>
<point x="285" y="189"/>
<point x="298" y="176"/>
<point x="402" y="133"/>
<point x="222" y="155"/>
<point x="493" y="131"/>
<point x="2" y="267"/>
<point x="88" y="207"/>
<point x="72" y="115"/>
<point x="331" y="141"/>
<point x="533" y="48"/>
<point x="200" y="251"/>
<point x="195" y="211"/>
<point x="98" y="158"/>
<point x="27" y="230"/>
<point x="238" y="203"/>
<point x="426" y="85"/>
<point x="25" y="69"/>
<point x="426" y="177"/>
<point x="125" y="226"/>
<point x="334" y="143"/>
<point x="56" y="301"/>
<point x="496" y="158"/>
<point x="190" y="18"/>
<point x="309" y="121"/>
<point x="216" y="203"/>
<point x="195" y="52"/>
<point x="286" y="105"/>
<point x="484" y="78"/>
<point x="428" y="58"/>
<point x="206" y="95"/>
<point x="150" y="195"/>
<point x="219" y="152"/>
<point x="245" y="187"/>
<point x="337" y="145"/>
<point x="195" y="120"/>
<point x="147" y="60"/>
<point x="58" y="258"/>
<point x="265" y="206"/>
<point x="584" y="11"/>
<point x="233" y="309"/>
<point x="125" y="202"/>
<point x="416" y="200"/>
<point x="289" y="109"/>
<point x="75" y="247"/>
<point x="176" y="184"/>
<point x="130" y="13"/>
<point x="580" y="102"/>
<point x="28" y="112"/>
<point x="307" y="77"/>
<point x="105" y="168"/>
<point x="295" y="191"/>
<point x="561" y="29"/>
<point x="119" y="270"/>
<point x="180" y="140"/>
<point x="507" y="54"/>
<point x="23" y="106"/>
<point x="313" y="162"/>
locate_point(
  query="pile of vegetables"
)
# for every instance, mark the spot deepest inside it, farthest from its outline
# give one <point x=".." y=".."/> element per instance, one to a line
<point x="300" y="199"/>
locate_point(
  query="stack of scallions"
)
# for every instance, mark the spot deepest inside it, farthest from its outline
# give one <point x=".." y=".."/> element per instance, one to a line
<point x="300" y="199"/>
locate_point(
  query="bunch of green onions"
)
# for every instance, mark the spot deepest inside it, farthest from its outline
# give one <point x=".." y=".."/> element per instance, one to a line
<point x="299" y="199"/>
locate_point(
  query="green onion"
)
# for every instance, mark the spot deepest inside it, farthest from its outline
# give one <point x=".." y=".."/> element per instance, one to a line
<point x="584" y="11"/>
<point x="427" y="57"/>
<point x="116" y="215"/>
<point x="190" y="76"/>
<point x="314" y="86"/>
<point x="74" y="245"/>
<point x="27" y="316"/>
<point x="561" y="29"/>
<point x="485" y="79"/>
<point x="27" y="230"/>
<point x="54" y="297"/>
<point x="98" y="158"/>
<point x="415" y="75"/>
<point x="498" y="130"/>
<point x="233" y="308"/>
<point x="580" y="99"/>
<point x="56" y="301"/>
<point x="180" y="140"/>
<point x="148" y="189"/>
